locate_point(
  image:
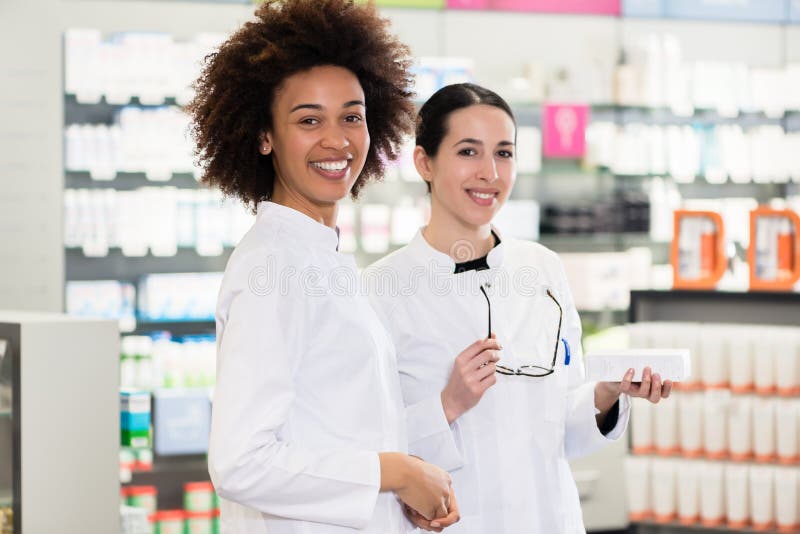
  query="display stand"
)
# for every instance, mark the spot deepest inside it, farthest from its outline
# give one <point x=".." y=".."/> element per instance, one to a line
<point x="751" y="308"/>
<point x="59" y="424"/>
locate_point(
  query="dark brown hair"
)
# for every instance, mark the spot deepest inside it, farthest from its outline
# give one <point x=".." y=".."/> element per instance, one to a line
<point x="235" y="92"/>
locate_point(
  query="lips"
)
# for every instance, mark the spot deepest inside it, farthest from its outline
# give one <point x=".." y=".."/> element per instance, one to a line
<point x="332" y="169"/>
<point x="483" y="197"/>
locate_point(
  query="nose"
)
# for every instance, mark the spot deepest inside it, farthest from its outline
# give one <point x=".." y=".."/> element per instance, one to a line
<point x="488" y="170"/>
<point x="335" y="137"/>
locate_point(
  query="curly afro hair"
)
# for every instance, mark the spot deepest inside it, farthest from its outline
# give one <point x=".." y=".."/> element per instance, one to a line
<point x="235" y="91"/>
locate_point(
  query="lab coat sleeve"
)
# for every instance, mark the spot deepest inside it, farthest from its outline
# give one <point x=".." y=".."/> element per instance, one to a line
<point x="430" y="437"/>
<point x="261" y="335"/>
<point x="582" y="435"/>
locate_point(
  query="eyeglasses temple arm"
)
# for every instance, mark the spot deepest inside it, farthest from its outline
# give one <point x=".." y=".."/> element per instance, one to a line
<point x="489" y="303"/>
<point x="558" y="333"/>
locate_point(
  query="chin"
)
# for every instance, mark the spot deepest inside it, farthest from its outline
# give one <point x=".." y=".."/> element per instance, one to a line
<point x="334" y="192"/>
<point x="479" y="222"/>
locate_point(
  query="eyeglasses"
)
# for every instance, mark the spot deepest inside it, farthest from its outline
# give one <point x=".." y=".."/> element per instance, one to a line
<point x="528" y="370"/>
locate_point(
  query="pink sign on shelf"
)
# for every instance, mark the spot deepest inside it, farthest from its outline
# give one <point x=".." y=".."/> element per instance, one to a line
<point x="469" y="4"/>
<point x="564" y="128"/>
<point x="597" y="7"/>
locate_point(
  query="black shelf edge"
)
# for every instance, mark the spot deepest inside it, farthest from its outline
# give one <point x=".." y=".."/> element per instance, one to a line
<point x="779" y="308"/>
<point x="116" y="266"/>
<point x="103" y="112"/>
<point x="666" y="528"/>
<point x="175" y="328"/>
<point x="126" y="181"/>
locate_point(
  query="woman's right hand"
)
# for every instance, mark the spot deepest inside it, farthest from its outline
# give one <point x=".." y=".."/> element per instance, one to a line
<point x="440" y="523"/>
<point x="473" y="373"/>
<point x="423" y="487"/>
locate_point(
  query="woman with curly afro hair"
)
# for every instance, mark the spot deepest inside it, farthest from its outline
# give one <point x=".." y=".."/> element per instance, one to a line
<point x="296" y="110"/>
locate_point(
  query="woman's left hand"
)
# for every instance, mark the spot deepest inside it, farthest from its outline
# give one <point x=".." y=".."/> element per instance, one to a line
<point x="651" y="387"/>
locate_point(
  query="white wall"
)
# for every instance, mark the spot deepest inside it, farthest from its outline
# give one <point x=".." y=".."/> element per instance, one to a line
<point x="31" y="262"/>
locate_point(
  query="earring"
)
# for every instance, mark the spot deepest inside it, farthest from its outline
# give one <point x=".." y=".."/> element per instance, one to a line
<point x="265" y="149"/>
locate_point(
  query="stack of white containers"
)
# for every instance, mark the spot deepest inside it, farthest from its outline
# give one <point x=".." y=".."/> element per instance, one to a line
<point x="725" y="448"/>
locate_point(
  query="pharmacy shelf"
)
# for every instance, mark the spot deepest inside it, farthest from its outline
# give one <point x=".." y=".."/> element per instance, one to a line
<point x="176" y="328"/>
<point x="168" y="474"/>
<point x="754" y="307"/>
<point x="652" y="527"/>
<point x="126" y="181"/>
<point x="605" y="242"/>
<point x="102" y="112"/>
<point x="723" y="460"/>
<point x="769" y="308"/>
<point x="762" y="192"/>
<point x="116" y="266"/>
<point x="665" y="117"/>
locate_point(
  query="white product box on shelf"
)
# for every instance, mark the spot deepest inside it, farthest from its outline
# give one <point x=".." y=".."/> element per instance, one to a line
<point x="611" y="365"/>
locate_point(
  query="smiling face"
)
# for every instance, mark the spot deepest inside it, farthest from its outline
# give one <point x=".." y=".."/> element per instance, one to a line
<point x="474" y="169"/>
<point x="318" y="140"/>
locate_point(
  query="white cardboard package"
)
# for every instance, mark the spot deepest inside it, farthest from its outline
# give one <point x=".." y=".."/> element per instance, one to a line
<point x="611" y="365"/>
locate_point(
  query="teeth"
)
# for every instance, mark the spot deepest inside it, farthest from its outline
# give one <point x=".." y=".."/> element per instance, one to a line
<point x="331" y="165"/>
<point x="482" y="195"/>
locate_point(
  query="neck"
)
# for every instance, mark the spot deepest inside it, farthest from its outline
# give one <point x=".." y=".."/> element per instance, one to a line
<point x="322" y="213"/>
<point x="459" y="241"/>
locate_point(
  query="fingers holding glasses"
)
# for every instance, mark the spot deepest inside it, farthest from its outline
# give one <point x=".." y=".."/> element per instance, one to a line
<point x="486" y="358"/>
<point x="472" y="374"/>
<point x="477" y="348"/>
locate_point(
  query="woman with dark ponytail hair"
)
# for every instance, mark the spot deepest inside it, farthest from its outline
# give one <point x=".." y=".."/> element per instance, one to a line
<point x="504" y="416"/>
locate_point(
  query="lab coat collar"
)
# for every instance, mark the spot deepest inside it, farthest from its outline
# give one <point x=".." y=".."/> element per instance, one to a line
<point x="300" y="225"/>
<point x="424" y="253"/>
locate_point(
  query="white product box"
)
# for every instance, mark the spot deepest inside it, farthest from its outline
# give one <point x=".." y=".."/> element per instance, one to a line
<point x="611" y="365"/>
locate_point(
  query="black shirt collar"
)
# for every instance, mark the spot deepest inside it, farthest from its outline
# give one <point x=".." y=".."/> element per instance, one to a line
<point x="478" y="264"/>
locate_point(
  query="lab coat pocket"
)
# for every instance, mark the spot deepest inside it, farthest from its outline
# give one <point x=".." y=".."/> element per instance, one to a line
<point x="557" y="394"/>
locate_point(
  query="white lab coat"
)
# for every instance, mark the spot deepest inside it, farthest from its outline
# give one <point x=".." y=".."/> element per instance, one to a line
<point x="507" y="455"/>
<point x="307" y="388"/>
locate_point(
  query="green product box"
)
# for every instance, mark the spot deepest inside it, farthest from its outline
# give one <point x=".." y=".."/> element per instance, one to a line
<point x="170" y="526"/>
<point x="198" y="497"/>
<point x="199" y="523"/>
<point x="135" y="438"/>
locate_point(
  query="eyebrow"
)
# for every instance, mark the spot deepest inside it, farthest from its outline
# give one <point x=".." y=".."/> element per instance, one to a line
<point x="472" y="141"/>
<point x="318" y="107"/>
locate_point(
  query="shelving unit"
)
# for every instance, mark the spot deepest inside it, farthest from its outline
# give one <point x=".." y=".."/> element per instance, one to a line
<point x="169" y="474"/>
<point x="131" y="268"/>
<point x="745" y="308"/>
<point x="650" y="527"/>
<point x="753" y="307"/>
<point x="126" y="181"/>
<point x="45" y="360"/>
